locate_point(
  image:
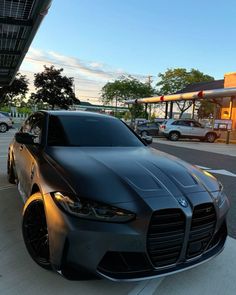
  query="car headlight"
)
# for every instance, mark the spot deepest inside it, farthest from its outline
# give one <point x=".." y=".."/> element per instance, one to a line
<point x="92" y="210"/>
<point x="220" y="196"/>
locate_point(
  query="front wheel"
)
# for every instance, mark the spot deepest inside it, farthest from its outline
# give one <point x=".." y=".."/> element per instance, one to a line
<point x="211" y="137"/>
<point x="35" y="232"/>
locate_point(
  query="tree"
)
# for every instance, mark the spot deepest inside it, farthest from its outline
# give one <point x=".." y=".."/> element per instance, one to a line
<point x="206" y="109"/>
<point x="174" y="80"/>
<point x="127" y="88"/>
<point x="16" y="92"/>
<point x="53" y="88"/>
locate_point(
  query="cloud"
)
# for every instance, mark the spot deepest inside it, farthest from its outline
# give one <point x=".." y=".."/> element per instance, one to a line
<point x="89" y="76"/>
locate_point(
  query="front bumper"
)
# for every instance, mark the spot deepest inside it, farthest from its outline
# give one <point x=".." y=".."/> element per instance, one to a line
<point x="121" y="251"/>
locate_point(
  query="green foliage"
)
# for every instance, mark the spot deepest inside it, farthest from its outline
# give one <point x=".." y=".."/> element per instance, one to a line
<point x="174" y="80"/>
<point x="6" y="109"/>
<point x="127" y="88"/>
<point x="127" y="116"/>
<point x="24" y="110"/>
<point x="14" y="93"/>
<point x="206" y="109"/>
<point x="152" y="117"/>
<point x="53" y="89"/>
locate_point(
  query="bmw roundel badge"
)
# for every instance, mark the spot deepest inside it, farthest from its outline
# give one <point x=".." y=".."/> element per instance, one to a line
<point x="183" y="202"/>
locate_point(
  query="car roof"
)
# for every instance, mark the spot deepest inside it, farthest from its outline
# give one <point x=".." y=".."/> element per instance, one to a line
<point x="76" y="113"/>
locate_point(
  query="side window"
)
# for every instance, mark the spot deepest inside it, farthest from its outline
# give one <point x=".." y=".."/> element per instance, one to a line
<point x="56" y="133"/>
<point x="36" y="130"/>
<point x="196" y="124"/>
<point x="186" y="123"/>
<point x="176" y="123"/>
<point x="26" y="127"/>
<point x="34" y="125"/>
<point x="181" y="123"/>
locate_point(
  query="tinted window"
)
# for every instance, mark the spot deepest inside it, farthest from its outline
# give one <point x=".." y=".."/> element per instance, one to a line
<point x="196" y="124"/>
<point x="89" y="131"/>
<point x="185" y="123"/>
<point x="176" y="123"/>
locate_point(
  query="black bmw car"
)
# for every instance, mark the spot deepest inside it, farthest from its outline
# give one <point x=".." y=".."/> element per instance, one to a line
<point x="99" y="200"/>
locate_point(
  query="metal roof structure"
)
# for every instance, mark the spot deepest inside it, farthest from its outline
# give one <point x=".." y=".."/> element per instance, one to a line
<point x="19" y="22"/>
<point x="210" y="85"/>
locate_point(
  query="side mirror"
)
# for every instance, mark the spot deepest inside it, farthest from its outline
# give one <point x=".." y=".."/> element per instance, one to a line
<point x="25" y="138"/>
<point x="147" y="139"/>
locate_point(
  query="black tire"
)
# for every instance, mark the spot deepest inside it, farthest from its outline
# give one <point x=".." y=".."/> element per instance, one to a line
<point x="35" y="233"/>
<point x="10" y="170"/>
<point x="211" y="137"/>
<point x="174" y="136"/>
<point x="3" y="127"/>
<point x="144" y="133"/>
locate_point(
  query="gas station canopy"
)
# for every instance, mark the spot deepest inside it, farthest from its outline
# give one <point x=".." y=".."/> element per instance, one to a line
<point x="19" y="22"/>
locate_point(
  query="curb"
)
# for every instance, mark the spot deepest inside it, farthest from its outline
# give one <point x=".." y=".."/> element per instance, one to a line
<point x="233" y="141"/>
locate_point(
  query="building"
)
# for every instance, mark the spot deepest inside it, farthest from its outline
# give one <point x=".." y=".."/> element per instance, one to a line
<point x="227" y="105"/>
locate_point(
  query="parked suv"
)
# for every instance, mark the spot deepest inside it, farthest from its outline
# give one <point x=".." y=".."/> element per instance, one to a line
<point x="174" y="129"/>
<point x="5" y="123"/>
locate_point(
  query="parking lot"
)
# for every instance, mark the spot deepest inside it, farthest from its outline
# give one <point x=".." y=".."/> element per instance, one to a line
<point x="20" y="275"/>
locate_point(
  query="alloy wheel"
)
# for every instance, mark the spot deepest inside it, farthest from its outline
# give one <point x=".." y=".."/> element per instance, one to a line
<point x="35" y="233"/>
<point x="174" y="136"/>
<point x="3" y="128"/>
<point x="211" y="137"/>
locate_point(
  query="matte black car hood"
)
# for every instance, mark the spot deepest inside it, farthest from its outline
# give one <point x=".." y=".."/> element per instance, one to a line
<point x="120" y="174"/>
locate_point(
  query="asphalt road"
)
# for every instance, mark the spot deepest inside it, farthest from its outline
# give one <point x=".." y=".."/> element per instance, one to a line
<point x="213" y="161"/>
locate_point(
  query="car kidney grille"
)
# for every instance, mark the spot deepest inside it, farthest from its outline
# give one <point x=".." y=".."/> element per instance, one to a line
<point x="165" y="236"/>
<point x="202" y="229"/>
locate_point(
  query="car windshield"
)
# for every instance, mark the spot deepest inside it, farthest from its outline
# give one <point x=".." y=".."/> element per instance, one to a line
<point x="89" y="131"/>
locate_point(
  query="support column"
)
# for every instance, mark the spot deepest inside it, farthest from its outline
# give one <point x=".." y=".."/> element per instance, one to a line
<point x="230" y="118"/>
<point x="145" y="109"/>
<point x="194" y="105"/>
<point x="166" y="111"/>
<point x="171" y="110"/>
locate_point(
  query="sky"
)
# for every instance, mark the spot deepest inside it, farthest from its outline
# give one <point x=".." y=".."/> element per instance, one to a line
<point x="98" y="41"/>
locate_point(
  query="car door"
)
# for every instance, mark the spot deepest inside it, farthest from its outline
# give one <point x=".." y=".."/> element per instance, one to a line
<point x="197" y="129"/>
<point x="153" y="129"/>
<point x="185" y="128"/>
<point x="26" y="155"/>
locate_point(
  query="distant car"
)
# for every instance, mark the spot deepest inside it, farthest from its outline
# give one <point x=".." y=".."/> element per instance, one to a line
<point x="149" y="128"/>
<point x="5" y="123"/>
<point x="175" y="129"/>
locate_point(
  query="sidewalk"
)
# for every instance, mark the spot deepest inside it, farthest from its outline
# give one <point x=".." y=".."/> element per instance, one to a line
<point x="218" y="148"/>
